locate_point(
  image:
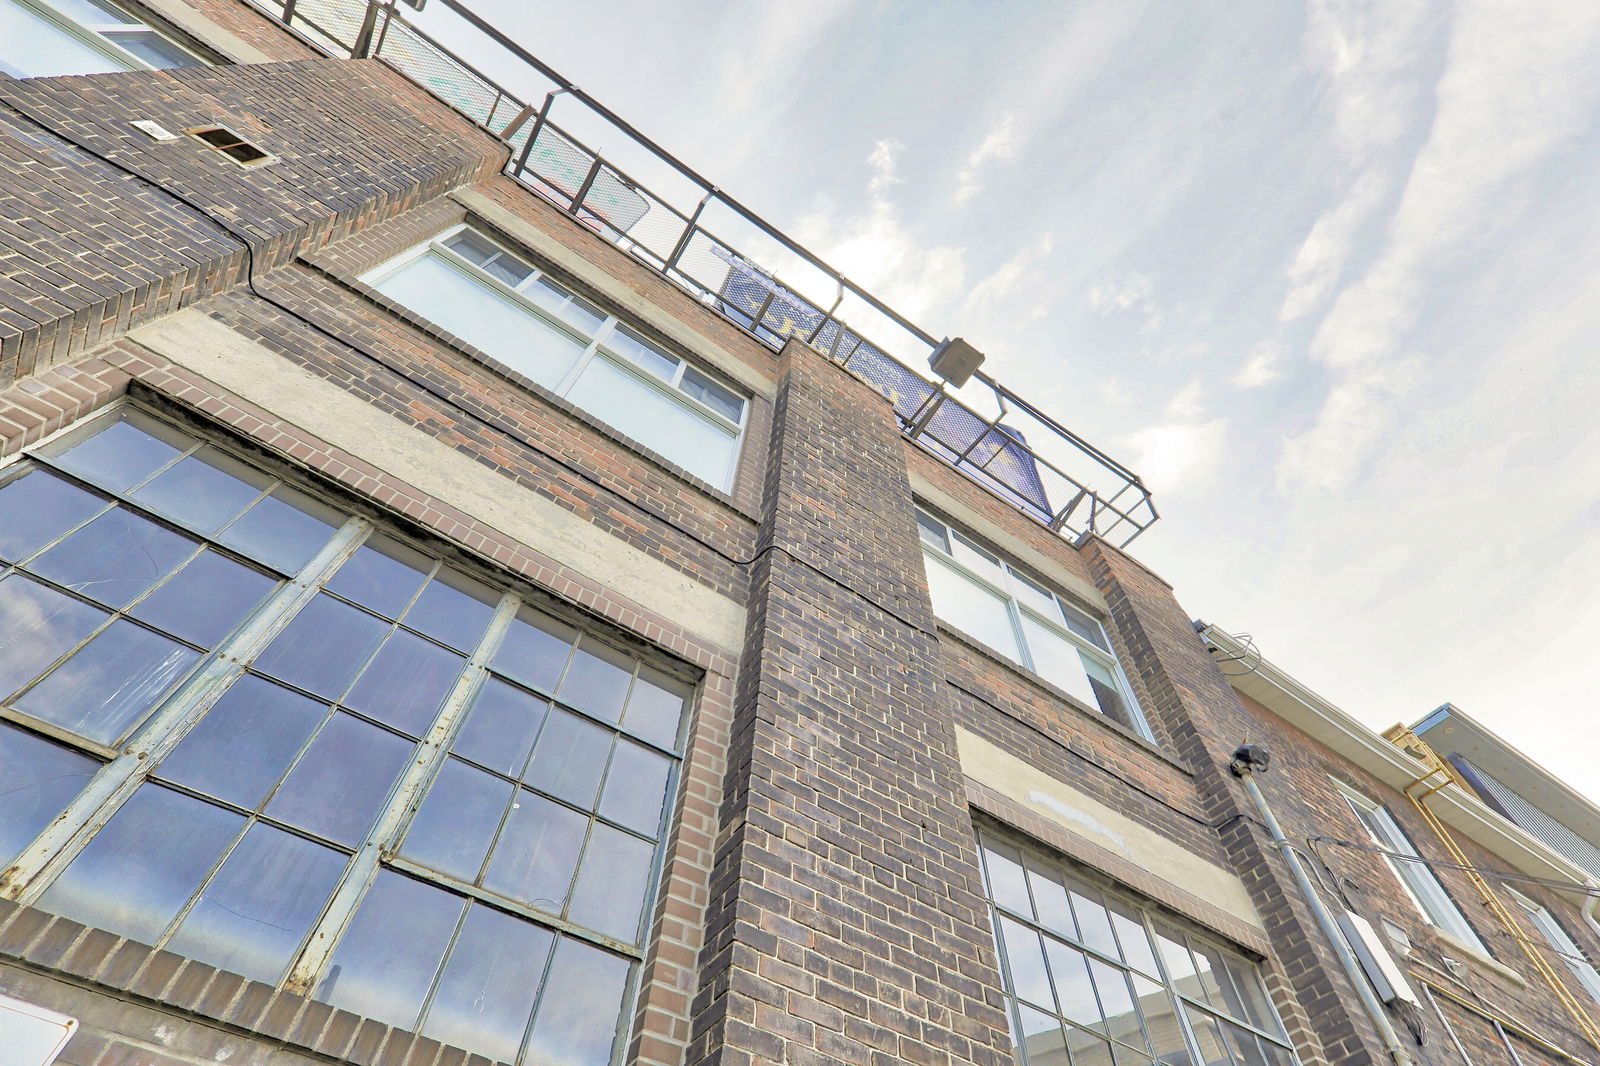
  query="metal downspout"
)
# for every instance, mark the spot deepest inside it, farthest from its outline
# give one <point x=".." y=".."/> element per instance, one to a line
<point x="1242" y="769"/>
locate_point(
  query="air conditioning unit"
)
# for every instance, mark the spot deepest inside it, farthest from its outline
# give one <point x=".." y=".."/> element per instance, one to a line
<point x="1387" y="978"/>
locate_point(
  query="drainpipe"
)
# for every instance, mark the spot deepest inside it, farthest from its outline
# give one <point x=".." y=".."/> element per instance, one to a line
<point x="1248" y="761"/>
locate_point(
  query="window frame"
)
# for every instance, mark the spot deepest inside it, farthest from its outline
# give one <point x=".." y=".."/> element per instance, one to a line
<point x="1017" y="608"/>
<point x="96" y="35"/>
<point x="1560" y="942"/>
<point x="136" y="759"/>
<point x="1420" y="884"/>
<point x="596" y="345"/>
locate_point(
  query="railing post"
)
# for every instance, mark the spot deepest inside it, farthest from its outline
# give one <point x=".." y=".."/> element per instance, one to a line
<point x="288" y="12"/>
<point x="688" y="232"/>
<point x="583" y="190"/>
<point x="362" y="49"/>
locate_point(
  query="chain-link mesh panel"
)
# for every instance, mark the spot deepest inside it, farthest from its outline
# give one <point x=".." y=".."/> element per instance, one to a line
<point x="427" y="64"/>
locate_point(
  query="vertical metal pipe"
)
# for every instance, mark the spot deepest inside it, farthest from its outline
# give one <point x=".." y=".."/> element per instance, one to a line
<point x="1347" y="959"/>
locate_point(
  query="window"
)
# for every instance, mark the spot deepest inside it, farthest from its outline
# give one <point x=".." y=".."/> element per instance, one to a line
<point x="1016" y="616"/>
<point x="241" y="726"/>
<point x="1096" y="978"/>
<point x="516" y="314"/>
<point x="1429" y="896"/>
<point x="41" y="38"/>
<point x="1562" y="944"/>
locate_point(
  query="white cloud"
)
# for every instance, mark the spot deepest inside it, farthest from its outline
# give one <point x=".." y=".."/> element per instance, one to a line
<point x="1002" y="143"/>
<point x="1365" y="50"/>
<point x="883" y="162"/>
<point x="994" y="293"/>
<point x="1183" y="453"/>
<point x="1353" y="415"/>
<point x="1129" y="294"/>
<point x="1322" y="255"/>
<point x="1262" y="368"/>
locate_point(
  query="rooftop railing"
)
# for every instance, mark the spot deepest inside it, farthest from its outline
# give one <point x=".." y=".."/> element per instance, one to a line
<point x="727" y="256"/>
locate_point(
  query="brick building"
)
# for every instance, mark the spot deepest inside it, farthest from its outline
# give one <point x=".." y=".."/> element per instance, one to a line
<point x="453" y="607"/>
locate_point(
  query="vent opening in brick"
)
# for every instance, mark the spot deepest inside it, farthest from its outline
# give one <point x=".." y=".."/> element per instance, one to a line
<point x="230" y="144"/>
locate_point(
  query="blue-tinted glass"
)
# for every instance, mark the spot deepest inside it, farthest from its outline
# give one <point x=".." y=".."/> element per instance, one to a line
<point x="597" y="681"/>
<point x="612" y="883"/>
<point x="454" y="610"/>
<point x="381" y="575"/>
<point x="114" y="558"/>
<point x="500" y="728"/>
<point x="246" y="741"/>
<point x="489" y="984"/>
<point x="636" y="786"/>
<point x="122" y="454"/>
<point x="569" y="759"/>
<point x="338" y="785"/>
<point x="379" y="975"/>
<point x="199" y="492"/>
<point x="40" y="779"/>
<point x="204" y="601"/>
<point x="139" y="871"/>
<point x="111" y="683"/>
<point x="406" y="683"/>
<point x="582" y="1007"/>
<point x="284" y="531"/>
<point x="37" y="626"/>
<point x="537" y="852"/>
<point x="252" y="916"/>
<point x="38" y="507"/>
<point x="323" y="646"/>
<point x="458" y="821"/>
<point x="655" y="707"/>
<point x="534" y="651"/>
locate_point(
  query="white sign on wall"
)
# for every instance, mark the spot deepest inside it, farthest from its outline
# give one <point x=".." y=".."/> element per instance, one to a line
<point x="30" y="1035"/>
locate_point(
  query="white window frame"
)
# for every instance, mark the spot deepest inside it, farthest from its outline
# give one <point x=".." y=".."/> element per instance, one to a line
<point x="1004" y="582"/>
<point x="596" y="345"/>
<point x="1416" y="878"/>
<point x="94" y="34"/>
<point x="1561" y="943"/>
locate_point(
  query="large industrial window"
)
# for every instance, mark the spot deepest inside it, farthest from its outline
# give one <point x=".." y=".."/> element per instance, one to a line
<point x="1419" y="882"/>
<point x="41" y="38"/>
<point x="1096" y="978"/>
<point x="241" y="726"/>
<point x="516" y="314"/>
<point x="1015" y="615"/>
<point x="1561" y="943"/>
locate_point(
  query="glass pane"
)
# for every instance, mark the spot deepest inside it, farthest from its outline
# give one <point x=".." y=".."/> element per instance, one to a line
<point x="1245" y="1047"/>
<point x="246" y="741"/>
<point x="972" y="610"/>
<point x="642" y="353"/>
<point x="569" y="759"/>
<point x="1094" y="925"/>
<point x="40" y="779"/>
<point x="933" y="533"/>
<point x="110" y="684"/>
<point x="124" y="453"/>
<point x="1085" y="626"/>
<point x="977" y="559"/>
<point x="323" y="646"/>
<point x="204" y="601"/>
<point x="1247" y="997"/>
<point x="382" y="575"/>
<point x="343" y="778"/>
<point x="1088" y="1049"/>
<point x="1131" y="935"/>
<point x="38" y="507"/>
<point x="1107" y="694"/>
<point x="565" y="306"/>
<point x="203" y="491"/>
<point x="1042" y="1039"/>
<point x="379" y="975"/>
<point x="453" y="830"/>
<point x="493" y="323"/>
<point x="1074" y="989"/>
<point x="1207" y="1035"/>
<point x="154" y="49"/>
<point x="454" y="610"/>
<point x="1208" y="966"/>
<point x="612" y="884"/>
<point x="721" y="400"/>
<point x="92" y="13"/>
<point x="581" y="1009"/>
<point x="1055" y="912"/>
<point x="114" y="558"/>
<point x="597" y="681"/>
<point x="284" y="530"/>
<point x="636" y="786"/>
<point x="253" y="915"/>
<point x="140" y="870"/>
<point x="1116" y="1003"/>
<point x="655" y="707"/>
<point x="489" y="984"/>
<point x="472" y="247"/>
<point x="1056" y="659"/>
<point x="1008" y="885"/>
<point x="1033" y="595"/>
<point x="535" y="651"/>
<point x="534" y="859"/>
<point x="1160" y="1019"/>
<point x="38" y="625"/>
<point x="1180" y="967"/>
<point x="500" y="728"/>
<point x="655" y="419"/>
<point x="406" y="683"/>
<point x="1025" y="959"/>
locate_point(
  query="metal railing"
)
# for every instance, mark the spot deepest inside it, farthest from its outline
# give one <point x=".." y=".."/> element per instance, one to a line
<point x="986" y="431"/>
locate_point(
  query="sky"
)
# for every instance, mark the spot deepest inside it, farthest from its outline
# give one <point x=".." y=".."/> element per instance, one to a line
<point x="1326" y="275"/>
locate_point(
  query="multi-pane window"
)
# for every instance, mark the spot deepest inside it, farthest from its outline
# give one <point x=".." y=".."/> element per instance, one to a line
<point x="1013" y="614"/>
<point x="239" y="725"/>
<point x="1095" y="978"/>
<point x="41" y="38"/>
<point x="1419" y="882"/>
<point x="1561" y="943"/>
<point x="521" y="318"/>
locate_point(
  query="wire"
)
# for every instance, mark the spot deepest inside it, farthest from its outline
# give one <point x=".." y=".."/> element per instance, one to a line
<point x="1548" y="882"/>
